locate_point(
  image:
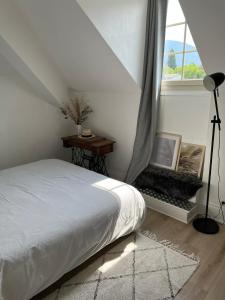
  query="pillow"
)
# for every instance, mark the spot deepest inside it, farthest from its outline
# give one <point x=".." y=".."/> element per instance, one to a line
<point x="169" y="182"/>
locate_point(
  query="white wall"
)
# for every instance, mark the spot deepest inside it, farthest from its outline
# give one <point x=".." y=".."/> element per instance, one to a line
<point x="30" y="128"/>
<point x="122" y="25"/>
<point x="81" y="54"/>
<point x="185" y="113"/>
<point x="115" y="116"/>
<point x="214" y="201"/>
<point x="206" y="19"/>
<point x="19" y="44"/>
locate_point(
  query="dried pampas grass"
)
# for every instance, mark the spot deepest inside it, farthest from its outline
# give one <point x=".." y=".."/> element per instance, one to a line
<point x="77" y="110"/>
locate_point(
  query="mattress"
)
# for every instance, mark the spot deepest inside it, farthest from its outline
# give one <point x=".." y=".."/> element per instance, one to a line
<point x="53" y="217"/>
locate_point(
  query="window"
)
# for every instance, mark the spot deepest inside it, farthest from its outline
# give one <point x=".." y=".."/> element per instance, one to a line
<point x="181" y="58"/>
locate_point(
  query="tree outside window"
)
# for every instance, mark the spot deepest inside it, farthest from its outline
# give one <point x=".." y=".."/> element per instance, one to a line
<point x="181" y="58"/>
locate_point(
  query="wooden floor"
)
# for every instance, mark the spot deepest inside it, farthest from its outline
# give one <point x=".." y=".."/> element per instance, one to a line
<point x="208" y="282"/>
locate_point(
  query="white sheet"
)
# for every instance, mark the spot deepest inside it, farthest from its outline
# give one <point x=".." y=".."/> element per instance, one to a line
<point x="53" y="217"/>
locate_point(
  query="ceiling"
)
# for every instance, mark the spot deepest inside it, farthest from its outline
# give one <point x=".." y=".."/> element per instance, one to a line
<point x="6" y="69"/>
<point x="81" y="54"/>
<point x="206" y="19"/>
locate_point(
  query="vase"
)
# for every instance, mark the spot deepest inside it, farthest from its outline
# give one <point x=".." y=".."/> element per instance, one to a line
<point x="79" y="129"/>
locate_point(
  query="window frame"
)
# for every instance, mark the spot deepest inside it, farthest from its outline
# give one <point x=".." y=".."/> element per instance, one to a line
<point x="183" y="83"/>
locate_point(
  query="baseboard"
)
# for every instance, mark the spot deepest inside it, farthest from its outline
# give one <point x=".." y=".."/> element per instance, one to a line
<point x="212" y="212"/>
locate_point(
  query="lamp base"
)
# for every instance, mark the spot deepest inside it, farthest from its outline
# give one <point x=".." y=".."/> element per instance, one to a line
<point x="206" y="225"/>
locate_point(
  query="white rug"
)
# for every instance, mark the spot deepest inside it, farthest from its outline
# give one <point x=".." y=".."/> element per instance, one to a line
<point x="138" y="268"/>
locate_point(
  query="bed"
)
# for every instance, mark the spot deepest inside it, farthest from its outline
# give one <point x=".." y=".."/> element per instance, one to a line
<point x="53" y="217"/>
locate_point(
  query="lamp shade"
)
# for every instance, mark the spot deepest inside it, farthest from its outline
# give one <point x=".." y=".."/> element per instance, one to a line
<point x="213" y="81"/>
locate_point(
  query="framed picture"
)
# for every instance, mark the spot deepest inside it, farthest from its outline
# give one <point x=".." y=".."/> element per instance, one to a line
<point x="191" y="159"/>
<point x="166" y="150"/>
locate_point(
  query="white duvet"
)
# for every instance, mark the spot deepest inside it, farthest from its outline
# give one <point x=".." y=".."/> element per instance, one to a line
<point x="53" y="217"/>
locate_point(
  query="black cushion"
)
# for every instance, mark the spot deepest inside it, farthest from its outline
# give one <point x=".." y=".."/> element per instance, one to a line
<point x="168" y="182"/>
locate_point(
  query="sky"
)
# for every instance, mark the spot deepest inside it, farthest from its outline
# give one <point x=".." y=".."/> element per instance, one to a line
<point x="175" y="15"/>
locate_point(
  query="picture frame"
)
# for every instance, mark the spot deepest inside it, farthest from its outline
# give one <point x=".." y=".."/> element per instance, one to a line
<point x="166" y="150"/>
<point x="191" y="159"/>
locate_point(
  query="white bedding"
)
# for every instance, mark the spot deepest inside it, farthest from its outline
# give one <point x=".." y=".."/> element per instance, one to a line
<point x="53" y="217"/>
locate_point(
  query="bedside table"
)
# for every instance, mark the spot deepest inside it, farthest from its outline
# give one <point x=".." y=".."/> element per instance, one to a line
<point x="89" y="152"/>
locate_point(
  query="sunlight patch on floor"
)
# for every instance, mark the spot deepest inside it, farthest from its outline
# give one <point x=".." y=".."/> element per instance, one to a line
<point x="111" y="263"/>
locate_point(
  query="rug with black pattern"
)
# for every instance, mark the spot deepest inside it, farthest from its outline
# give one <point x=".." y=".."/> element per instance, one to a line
<point x="138" y="268"/>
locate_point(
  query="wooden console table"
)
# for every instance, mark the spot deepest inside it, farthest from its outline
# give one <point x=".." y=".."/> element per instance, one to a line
<point x="89" y="152"/>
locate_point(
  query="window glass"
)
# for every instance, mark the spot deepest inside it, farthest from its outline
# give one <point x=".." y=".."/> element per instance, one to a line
<point x="192" y="68"/>
<point x="174" y="13"/>
<point x="175" y="38"/>
<point x="172" y="69"/>
<point x="181" y="59"/>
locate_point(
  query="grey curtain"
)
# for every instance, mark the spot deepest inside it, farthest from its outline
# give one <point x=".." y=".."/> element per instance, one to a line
<point x="152" y="75"/>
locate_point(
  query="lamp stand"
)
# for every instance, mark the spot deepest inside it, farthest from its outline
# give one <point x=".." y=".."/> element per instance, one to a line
<point x="205" y="224"/>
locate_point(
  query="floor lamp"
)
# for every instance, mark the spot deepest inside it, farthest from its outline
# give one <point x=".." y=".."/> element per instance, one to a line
<point x="206" y="224"/>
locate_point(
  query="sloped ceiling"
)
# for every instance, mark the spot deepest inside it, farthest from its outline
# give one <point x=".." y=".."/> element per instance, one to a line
<point x="5" y="68"/>
<point x="81" y="54"/>
<point x="20" y="47"/>
<point x="122" y="24"/>
<point x="206" y="19"/>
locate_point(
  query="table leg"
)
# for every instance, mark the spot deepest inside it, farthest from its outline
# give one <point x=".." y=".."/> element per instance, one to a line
<point x="78" y="157"/>
<point x="95" y="163"/>
<point x="99" y="165"/>
<point x="73" y="162"/>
